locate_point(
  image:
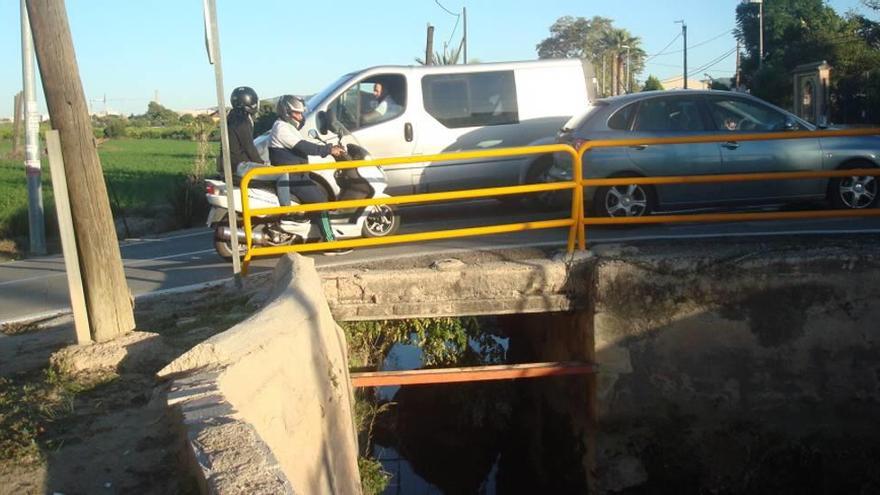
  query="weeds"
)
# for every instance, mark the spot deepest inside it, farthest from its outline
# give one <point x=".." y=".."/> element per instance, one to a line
<point x="30" y="404"/>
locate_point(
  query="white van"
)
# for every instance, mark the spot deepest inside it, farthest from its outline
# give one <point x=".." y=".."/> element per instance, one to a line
<point x="438" y="109"/>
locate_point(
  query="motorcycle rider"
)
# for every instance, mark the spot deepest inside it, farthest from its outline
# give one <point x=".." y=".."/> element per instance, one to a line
<point x="243" y="154"/>
<point x="288" y="147"/>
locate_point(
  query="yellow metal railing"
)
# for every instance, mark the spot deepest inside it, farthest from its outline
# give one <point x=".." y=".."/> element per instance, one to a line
<point x="571" y="222"/>
<point x="577" y="221"/>
<point x="722" y="178"/>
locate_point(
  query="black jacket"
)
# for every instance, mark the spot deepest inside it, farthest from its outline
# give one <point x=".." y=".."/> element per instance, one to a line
<point x="241" y="138"/>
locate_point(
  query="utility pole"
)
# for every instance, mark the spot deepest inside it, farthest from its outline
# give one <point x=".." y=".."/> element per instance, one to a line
<point x="17" y="123"/>
<point x="107" y="296"/>
<point x="736" y="84"/>
<point x="761" y="31"/>
<point x="429" y="46"/>
<point x="212" y="38"/>
<point x="36" y="225"/>
<point x="684" y="33"/>
<point x="464" y="38"/>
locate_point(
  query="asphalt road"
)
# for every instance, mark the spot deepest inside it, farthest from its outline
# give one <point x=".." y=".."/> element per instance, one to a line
<point x="185" y="259"/>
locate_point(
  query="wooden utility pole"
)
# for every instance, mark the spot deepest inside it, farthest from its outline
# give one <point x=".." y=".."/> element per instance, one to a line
<point x="107" y="296"/>
<point x="17" y="123"/>
<point x="429" y="46"/>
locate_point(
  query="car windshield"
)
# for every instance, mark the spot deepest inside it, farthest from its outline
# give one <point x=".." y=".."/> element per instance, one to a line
<point x="325" y="93"/>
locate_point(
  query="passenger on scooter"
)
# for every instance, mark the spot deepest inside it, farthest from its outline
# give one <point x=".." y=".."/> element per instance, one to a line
<point x="287" y="146"/>
<point x="243" y="154"/>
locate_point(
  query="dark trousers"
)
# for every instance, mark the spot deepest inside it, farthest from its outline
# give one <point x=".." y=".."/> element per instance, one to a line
<point x="305" y="190"/>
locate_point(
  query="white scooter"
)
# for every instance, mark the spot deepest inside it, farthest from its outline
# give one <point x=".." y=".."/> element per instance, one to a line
<point x="357" y="183"/>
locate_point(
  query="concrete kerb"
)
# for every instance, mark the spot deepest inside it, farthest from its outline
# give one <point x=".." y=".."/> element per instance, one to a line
<point x="267" y="405"/>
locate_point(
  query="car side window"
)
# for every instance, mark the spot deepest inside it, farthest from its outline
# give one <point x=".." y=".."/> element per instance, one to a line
<point x="669" y="115"/>
<point x="369" y="102"/>
<point x="469" y="100"/>
<point x="739" y="115"/>
<point x="622" y="119"/>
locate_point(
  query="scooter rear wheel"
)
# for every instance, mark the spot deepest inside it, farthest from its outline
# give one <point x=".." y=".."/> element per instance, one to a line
<point x="382" y="221"/>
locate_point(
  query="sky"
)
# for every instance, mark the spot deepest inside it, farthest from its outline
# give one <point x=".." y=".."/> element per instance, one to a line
<point x="134" y="50"/>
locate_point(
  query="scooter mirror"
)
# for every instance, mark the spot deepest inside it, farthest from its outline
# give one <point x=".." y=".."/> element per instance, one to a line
<point x="322" y="122"/>
<point x="313" y="134"/>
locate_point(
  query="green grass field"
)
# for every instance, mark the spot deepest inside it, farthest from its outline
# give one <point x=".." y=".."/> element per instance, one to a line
<point x="141" y="176"/>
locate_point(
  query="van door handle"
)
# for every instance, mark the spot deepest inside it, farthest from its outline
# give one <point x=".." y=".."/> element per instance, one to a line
<point x="731" y="145"/>
<point x="639" y="146"/>
<point x="407" y="132"/>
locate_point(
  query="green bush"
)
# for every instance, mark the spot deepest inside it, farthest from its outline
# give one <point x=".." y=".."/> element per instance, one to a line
<point x="115" y="128"/>
<point x="188" y="202"/>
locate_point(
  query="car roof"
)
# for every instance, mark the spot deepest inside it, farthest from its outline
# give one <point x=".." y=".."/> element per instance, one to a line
<point x="619" y="99"/>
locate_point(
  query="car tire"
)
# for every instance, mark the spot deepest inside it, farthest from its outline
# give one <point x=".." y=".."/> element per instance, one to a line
<point x="633" y="200"/>
<point x="854" y="193"/>
<point x="538" y="174"/>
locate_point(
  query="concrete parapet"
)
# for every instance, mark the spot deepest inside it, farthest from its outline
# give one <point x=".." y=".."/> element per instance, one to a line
<point x="266" y="406"/>
<point x="455" y="288"/>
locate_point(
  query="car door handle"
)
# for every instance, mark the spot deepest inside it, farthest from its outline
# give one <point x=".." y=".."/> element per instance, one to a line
<point x="639" y="146"/>
<point x="407" y="132"/>
<point x="731" y="145"/>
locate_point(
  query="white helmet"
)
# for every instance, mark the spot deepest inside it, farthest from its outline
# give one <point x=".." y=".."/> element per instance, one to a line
<point x="288" y="104"/>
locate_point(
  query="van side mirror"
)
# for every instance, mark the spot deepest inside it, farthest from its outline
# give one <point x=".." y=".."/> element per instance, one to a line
<point x="323" y="122"/>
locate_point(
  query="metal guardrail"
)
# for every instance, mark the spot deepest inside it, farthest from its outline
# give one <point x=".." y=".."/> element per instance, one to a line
<point x="722" y="178"/>
<point x="571" y="221"/>
<point x="577" y="221"/>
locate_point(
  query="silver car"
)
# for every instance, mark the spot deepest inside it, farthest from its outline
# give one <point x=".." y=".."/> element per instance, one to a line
<point x="694" y="113"/>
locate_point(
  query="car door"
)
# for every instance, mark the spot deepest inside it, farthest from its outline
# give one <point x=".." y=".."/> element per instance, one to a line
<point x="386" y="135"/>
<point x="675" y="116"/>
<point x="737" y="115"/>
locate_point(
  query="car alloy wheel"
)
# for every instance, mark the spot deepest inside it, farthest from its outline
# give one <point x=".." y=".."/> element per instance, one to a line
<point x="857" y="192"/>
<point x="625" y="201"/>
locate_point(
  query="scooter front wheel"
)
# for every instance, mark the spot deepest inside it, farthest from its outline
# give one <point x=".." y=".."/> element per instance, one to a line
<point x="381" y="221"/>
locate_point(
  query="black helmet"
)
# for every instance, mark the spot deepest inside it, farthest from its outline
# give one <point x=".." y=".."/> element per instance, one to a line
<point x="245" y="98"/>
<point x="288" y="104"/>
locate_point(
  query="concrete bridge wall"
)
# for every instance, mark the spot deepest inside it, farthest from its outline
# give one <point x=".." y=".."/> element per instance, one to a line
<point x="714" y="365"/>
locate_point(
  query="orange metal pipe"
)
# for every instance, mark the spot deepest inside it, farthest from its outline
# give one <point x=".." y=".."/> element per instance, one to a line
<point x="472" y="374"/>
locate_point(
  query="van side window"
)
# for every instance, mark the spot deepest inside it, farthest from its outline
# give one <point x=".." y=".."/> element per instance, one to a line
<point x="371" y="101"/>
<point x="470" y="100"/>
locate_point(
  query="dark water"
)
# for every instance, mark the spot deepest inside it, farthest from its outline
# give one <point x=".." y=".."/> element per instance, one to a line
<point x="481" y="438"/>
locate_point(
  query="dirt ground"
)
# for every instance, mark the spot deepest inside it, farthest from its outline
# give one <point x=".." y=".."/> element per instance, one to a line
<point x="104" y="431"/>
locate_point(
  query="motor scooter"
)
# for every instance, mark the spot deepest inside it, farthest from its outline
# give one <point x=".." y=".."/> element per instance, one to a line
<point x="274" y="230"/>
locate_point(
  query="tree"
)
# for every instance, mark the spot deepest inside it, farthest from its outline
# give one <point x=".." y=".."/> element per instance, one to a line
<point x="652" y="84"/>
<point x="596" y="40"/>
<point x="159" y="115"/>
<point x="803" y="31"/>
<point x="445" y="58"/>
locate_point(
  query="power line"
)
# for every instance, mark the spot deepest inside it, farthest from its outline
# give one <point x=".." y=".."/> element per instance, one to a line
<point x="725" y="32"/>
<point x="713" y="62"/>
<point x="447" y="10"/>
<point x="677" y="36"/>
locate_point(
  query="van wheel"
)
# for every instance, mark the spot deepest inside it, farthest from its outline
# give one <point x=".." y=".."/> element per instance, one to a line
<point x="632" y="200"/>
<point x="856" y="192"/>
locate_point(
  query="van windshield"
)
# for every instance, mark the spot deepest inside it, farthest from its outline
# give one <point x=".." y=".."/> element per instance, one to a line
<point x="325" y="93"/>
